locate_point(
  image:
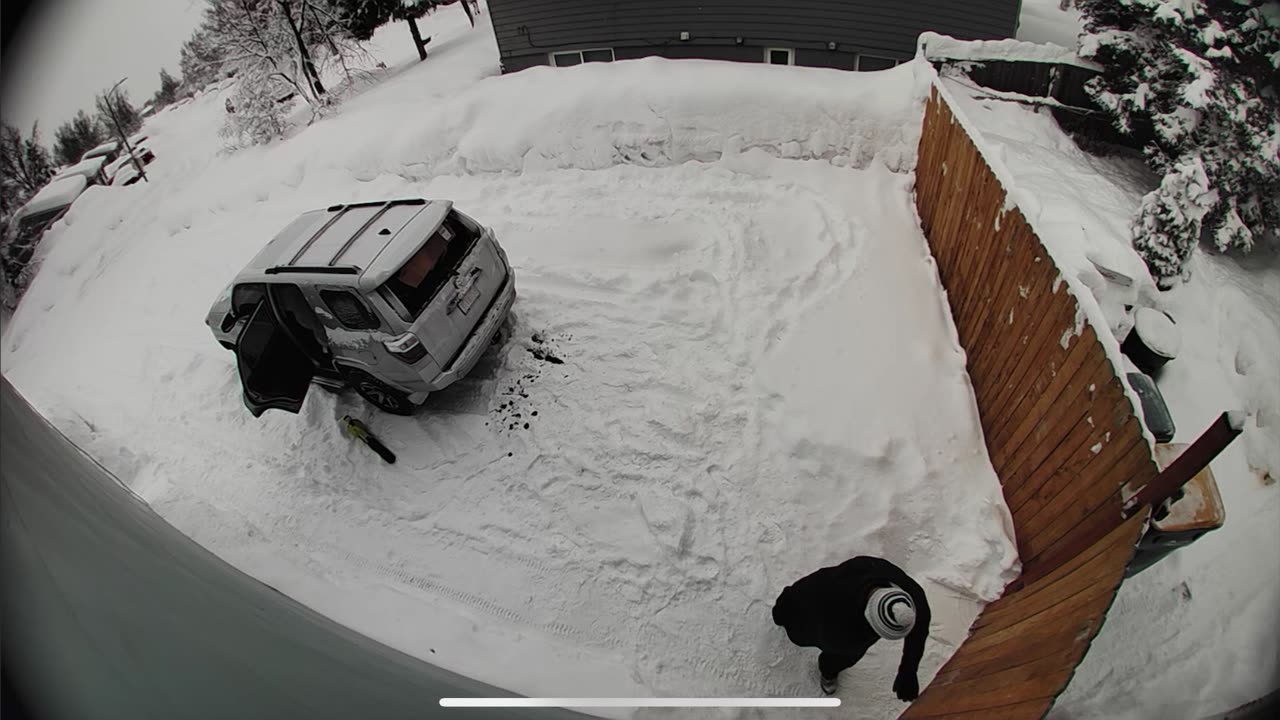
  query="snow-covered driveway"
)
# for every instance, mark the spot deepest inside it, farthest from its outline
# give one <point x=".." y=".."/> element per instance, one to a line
<point x="757" y="374"/>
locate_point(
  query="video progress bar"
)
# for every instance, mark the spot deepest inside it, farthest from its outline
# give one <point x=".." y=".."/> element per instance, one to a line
<point x="639" y="702"/>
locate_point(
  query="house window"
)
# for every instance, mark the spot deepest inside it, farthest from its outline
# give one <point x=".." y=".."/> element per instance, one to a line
<point x="780" y="56"/>
<point x="577" y="57"/>
<point x="875" y="62"/>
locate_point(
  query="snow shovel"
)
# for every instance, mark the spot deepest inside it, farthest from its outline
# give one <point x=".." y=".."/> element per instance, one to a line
<point x="360" y="431"/>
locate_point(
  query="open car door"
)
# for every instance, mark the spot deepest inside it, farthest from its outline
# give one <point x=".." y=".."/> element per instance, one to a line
<point x="274" y="372"/>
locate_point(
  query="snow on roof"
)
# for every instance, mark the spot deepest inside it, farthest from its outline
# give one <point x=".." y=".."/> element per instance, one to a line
<point x="117" y="164"/>
<point x="124" y="173"/>
<point x="105" y="148"/>
<point x="83" y="168"/>
<point x="56" y="194"/>
<point x="1158" y="331"/>
<point x="935" y="46"/>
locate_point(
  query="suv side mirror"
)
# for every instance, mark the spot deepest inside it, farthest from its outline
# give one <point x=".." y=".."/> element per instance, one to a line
<point x="228" y="322"/>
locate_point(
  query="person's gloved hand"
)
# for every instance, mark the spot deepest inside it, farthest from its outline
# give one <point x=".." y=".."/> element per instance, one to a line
<point x="906" y="687"/>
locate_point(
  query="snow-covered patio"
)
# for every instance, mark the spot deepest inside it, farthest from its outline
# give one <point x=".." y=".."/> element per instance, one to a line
<point x="759" y="378"/>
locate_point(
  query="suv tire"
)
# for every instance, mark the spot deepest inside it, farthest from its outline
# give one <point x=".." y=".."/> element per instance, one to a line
<point x="380" y="394"/>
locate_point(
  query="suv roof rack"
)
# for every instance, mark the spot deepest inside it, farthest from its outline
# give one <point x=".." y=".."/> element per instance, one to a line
<point x="371" y="203"/>
<point x="339" y="209"/>
<point x="322" y="269"/>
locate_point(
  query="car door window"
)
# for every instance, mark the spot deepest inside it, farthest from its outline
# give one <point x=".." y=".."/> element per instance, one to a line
<point x="299" y="320"/>
<point x="274" y="371"/>
<point x="349" y="310"/>
<point x="245" y="297"/>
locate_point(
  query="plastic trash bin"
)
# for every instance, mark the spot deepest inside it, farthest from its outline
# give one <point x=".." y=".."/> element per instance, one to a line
<point x="1154" y="411"/>
<point x="1153" y="341"/>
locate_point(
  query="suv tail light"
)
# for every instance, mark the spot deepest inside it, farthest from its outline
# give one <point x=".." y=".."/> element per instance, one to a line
<point x="406" y="348"/>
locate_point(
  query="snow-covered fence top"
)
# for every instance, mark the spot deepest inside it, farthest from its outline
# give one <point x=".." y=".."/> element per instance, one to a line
<point x="1060" y="428"/>
<point x="937" y="47"/>
<point x="1034" y="69"/>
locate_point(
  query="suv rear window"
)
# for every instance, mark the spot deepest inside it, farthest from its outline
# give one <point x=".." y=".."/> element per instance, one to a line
<point x="424" y="273"/>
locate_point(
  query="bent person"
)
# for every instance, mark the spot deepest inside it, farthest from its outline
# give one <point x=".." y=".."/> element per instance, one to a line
<point x="844" y="610"/>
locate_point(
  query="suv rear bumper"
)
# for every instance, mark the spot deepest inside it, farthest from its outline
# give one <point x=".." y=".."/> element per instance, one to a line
<point x="481" y="335"/>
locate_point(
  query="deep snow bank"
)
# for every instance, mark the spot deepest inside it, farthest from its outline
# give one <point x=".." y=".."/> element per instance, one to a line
<point x="645" y="112"/>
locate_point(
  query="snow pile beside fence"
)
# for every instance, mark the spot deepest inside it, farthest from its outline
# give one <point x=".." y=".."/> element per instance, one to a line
<point x="653" y="112"/>
<point x="658" y="111"/>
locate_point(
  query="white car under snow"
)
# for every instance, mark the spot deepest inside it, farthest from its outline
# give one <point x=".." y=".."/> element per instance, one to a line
<point x="31" y="220"/>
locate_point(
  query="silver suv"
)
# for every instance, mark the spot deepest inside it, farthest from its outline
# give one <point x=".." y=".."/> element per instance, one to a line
<point x="396" y="299"/>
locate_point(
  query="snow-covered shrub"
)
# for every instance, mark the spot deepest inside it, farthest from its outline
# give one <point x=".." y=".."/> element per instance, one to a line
<point x="256" y="114"/>
<point x="1201" y="80"/>
<point x="1170" y="220"/>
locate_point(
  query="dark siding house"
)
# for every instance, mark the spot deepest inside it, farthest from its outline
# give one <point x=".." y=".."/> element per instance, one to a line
<point x="847" y="34"/>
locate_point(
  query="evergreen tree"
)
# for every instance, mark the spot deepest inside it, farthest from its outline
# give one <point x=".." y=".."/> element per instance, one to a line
<point x="1201" y="81"/>
<point x="75" y="137"/>
<point x="25" y="167"/>
<point x="168" y="91"/>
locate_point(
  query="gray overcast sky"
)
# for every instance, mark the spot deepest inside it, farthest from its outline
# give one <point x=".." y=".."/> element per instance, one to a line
<point x="69" y="50"/>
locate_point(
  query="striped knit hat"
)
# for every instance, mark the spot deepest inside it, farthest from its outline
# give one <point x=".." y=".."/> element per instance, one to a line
<point x="891" y="612"/>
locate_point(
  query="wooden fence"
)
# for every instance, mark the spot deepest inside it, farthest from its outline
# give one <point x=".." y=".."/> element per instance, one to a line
<point x="1060" y="431"/>
<point x="1061" y="81"/>
<point x="1077" y="113"/>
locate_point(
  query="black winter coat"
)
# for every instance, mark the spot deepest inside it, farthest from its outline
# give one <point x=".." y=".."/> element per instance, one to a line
<point x="826" y="610"/>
